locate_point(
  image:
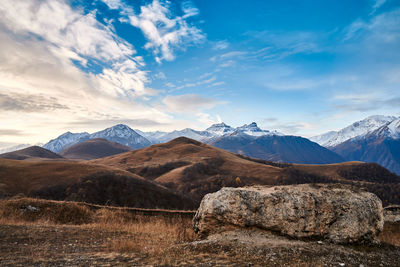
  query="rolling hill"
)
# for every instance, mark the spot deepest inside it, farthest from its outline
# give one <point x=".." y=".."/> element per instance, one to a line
<point x="192" y="169"/>
<point x="93" y="149"/>
<point x="29" y="153"/>
<point x="80" y="181"/>
<point x="177" y="175"/>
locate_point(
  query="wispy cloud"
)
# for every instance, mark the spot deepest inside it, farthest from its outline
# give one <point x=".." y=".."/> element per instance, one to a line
<point x="365" y="102"/>
<point x="287" y="127"/>
<point x="221" y="45"/>
<point x="10" y="132"/>
<point x="380" y="29"/>
<point x="29" y="103"/>
<point x="163" y="30"/>
<point x="377" y="5"/>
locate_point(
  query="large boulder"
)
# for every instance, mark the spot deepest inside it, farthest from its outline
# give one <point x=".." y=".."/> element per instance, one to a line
<point x="335" y="213"/>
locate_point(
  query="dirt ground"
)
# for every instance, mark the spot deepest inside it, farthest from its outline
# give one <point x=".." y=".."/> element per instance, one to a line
<point x="72" y="245"/>
<point x="56" y="233"/>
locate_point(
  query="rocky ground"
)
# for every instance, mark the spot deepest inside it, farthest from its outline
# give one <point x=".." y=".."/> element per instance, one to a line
<point x="71" y="245"/>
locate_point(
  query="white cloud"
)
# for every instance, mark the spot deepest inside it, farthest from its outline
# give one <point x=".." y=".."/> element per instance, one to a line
<point x="39" y="43"/>
<point x="113" y="4"/>
<point x="189" y="103"/>
<point x="163" y="31"/>
<point x="377" y="4"/>
<point x="221" y="45"/>
<point x="383" y="28"/>
<point x="218" y="83"/>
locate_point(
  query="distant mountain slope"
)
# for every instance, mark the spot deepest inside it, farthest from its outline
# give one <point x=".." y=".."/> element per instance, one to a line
<point x="209" y="134"/>
<point x="63" y="141"/>
<point x="357" y="129"/>
<point x="385" y="152"/>
<point x="93" y="149"/>
<point x="119" y="133"/>
<point x="31" y="153"/>
<point x="381" y="146"/>
<point x="189" y="133"/>
<point x="292" y="149"/>
<point x="122" y="134"/>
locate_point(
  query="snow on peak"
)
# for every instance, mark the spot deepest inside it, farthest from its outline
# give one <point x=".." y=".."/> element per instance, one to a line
<point x="253" y="129"/>
<point x="220" y="129"/>
<point x="119" y="130"/>
<point x="356" y="130"/>
<point x="66" y="139"/>
<point x="390" y="130"/>
<point x="394" y="129"/>
<point x="122" y="134"/>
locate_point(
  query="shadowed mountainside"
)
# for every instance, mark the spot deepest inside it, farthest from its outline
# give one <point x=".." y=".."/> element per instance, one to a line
<point x="384" y="151"/>
<point x="293" y="149"/>
<point x="93" y="149"/>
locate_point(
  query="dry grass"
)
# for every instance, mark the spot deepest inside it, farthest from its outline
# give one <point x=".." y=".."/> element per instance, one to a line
<point x="44" y="211"/>
<point x="128" y="232"/>
<point x="391" y="234"/>
<point x="149" y="236"/>
<point x="114" y="234"/>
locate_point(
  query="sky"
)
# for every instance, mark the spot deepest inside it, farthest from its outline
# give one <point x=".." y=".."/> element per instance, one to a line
<point x="299" y="67"/>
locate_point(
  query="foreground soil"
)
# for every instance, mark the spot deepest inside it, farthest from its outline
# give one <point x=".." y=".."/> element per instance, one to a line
<point x="72" y="245"/>
<point x="55" y="233"/>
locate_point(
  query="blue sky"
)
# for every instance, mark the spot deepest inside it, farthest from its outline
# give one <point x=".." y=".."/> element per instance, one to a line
<point x="299" y="67"/>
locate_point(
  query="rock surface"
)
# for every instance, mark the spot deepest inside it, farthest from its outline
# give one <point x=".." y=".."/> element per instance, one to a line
<point x="337" y="214"/>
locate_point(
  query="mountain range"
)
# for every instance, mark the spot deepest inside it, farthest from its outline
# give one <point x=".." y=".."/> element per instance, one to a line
<point x="249" y="140"/>
<point x="176" y="175"/>
<point x="374" y="139"/>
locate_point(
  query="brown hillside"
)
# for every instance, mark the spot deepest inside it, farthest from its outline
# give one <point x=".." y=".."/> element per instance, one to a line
<point x="86" y="182"/>
<point x="193" y="169"/>
<point x="94" y="149"/>
<point x="27" y="176"/>
<point x="31" y="153"/>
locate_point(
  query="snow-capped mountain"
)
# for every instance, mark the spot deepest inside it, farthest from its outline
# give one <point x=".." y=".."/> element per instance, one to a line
<point x="65" y="140"/>
<point x="208" y="135"/>
<point x="153" y="137"/>
<point x="356" y="130"/>
<point x="220" y="129"/>
<point x="254" y="130"/>
<point x="119" y="133"/>
<point x="122" y="134"/>
<point x="375" y="139"/>
<point x="390" y="130"/>
<point x="135" y="139"/>
<point x="201" y="136"/>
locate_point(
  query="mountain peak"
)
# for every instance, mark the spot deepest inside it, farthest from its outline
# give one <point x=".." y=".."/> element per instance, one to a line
<point x="220" y="128"/>
<point x="121" y="126"/>
<point x="358" y="129"/>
